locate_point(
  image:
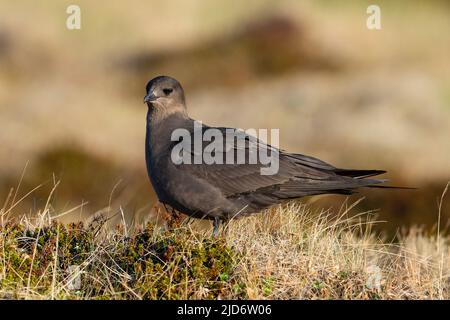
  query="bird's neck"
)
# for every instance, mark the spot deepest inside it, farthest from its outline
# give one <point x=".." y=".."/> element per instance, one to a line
<point x="160" y="128"/>
<point x="158" y="114"/>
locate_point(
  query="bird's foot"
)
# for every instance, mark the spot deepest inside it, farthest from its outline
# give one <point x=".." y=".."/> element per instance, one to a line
<point x="175" y="219"/>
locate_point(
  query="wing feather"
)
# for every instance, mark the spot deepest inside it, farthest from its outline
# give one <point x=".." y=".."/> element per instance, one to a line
<point x="298" y="174"/>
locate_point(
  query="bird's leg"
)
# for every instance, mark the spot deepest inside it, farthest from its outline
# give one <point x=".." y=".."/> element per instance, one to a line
<point x="175" y="217"/>
<point x="216" y="225"/>
<point x="165" y="207"/>
<point x="167" y="215"/>
<point x="176" y="214"/>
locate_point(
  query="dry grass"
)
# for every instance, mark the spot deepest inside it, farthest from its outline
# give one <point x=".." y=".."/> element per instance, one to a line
<point x="306" y="256"/>
<point x="286" y="253"/>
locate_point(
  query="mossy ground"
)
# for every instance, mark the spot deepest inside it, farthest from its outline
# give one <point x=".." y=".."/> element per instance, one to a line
<point x="285" y="253"/>
<point x="44" y="262"/>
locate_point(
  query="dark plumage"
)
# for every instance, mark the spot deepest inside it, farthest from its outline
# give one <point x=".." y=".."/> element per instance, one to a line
<point x="224" y="191"/>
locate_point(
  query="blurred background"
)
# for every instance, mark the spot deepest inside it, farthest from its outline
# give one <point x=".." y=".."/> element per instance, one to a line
<point x="71" y="100"/>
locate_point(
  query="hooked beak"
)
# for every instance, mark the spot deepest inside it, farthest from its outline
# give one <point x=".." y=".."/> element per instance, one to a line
<point x="149" y="97"/>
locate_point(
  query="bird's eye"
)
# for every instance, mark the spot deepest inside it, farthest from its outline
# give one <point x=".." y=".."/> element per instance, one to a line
<point x="167" y="91"/>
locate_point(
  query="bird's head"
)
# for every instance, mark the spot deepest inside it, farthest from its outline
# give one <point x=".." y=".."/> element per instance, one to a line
<point x="165" y="95"/>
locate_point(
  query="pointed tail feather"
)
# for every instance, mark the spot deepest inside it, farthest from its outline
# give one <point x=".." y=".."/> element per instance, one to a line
<point x="358" y="174"/>
<point x="392" y="187"/>
<point x="362" y="174"/>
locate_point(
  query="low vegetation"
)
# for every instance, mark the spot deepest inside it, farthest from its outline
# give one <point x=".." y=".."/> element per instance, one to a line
<point x="286" y="253"/>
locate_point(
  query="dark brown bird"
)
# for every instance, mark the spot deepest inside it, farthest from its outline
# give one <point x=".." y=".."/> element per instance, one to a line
<point x="223" y="191"/>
